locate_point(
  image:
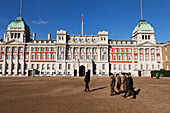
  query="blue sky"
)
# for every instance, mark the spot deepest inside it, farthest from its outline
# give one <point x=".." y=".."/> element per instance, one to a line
<point x="118" y="17"/>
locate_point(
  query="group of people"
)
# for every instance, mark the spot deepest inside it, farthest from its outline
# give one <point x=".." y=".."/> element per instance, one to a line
<point x="115" y="83"/>
<point x="127" y="85"/>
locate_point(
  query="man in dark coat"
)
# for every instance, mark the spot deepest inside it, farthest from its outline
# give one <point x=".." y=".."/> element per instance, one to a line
<point x="87" y="80"/>
<point x="124" y="81"/>
<point x="129" y="87"/>
<point x="112" y="84"/>
<point x="118" y="82"/>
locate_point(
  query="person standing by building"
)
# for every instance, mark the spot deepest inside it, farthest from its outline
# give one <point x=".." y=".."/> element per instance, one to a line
<point x="118" y="83"/>
<point x="157" y="75"/>
<point x="151" y="75"/>
<point x="112" y="84"/>
<point x="87" y="80"/>
<point x="129" y="87"/>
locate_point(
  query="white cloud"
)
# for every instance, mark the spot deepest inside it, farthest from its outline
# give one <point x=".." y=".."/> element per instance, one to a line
<point x="40" y="22"/>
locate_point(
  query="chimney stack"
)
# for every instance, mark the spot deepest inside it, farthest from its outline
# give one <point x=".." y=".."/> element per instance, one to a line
<point x="34" y="36"/>
<point x="49" y="36"/>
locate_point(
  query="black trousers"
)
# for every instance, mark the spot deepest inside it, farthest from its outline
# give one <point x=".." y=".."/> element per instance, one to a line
<point x="86" y="86"/>
<point x="131" y="91"/>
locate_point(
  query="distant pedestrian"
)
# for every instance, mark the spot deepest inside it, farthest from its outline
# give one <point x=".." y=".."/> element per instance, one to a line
<point x="151" y="75"/>
<point x="157" y="75"/>
<point x="87" y="80"/>
<point x="129" y="87"/>
<point x="118" y="83"/>
<point x="112" y="84"/>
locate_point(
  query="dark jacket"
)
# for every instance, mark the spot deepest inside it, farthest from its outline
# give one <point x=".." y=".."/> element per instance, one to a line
<point x="112" y="82"/>
<point x="87" y="78"/>
<point x="118" y="81"/>
<point x="129" y="83"/>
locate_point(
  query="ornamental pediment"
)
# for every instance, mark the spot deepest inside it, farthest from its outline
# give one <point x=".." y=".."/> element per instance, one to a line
<point x="146" y="44"/>
<point x="14" y="42"/>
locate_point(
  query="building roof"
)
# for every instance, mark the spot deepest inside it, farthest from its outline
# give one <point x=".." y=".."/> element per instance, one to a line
<point x="19" y="23"/>
<point x="143" y="25"/>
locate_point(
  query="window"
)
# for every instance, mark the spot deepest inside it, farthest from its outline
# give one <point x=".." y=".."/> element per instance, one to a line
<point x="135" y="51"/>
<point x="38" y="56"/>
<point x="166" y="49"/>
<point x="141" y="57"/>
<point x="103" y="57"/>
<point x="48" y="66"/>
<point x="69" y="66"/>
<point x="141" y="51"/>
<point x="54" y="49"/>
<point x="152" y="57"/>
<point x="136" y="66"/>
<point x="38" y="66"/>
<point x="0" y="66"/>
<point x="114" y="50"/>
<point x="53" y="57"/>
<point x="142" y="37"/>
<point x="69" y="57"/>
<point x="166" y="57"/>
<point x="147" y="66"/>
<point x="20" y="49"/>
<point x="38" y="50"/>
<point x="129" y="50"/>
<point x="14" y="49"/>
<point x="158" y="66"/>
<point x="8" y="56"/>
<point x="32" y="66"/>
<point x="152" y="50"/>
<point x="43" y="56"/>
<point x="43" y="50"/>
<point x="61" y="49"/>
<point x="129" y="67"/>
<point x="2" y="49"/>
<point x="110" y="50"/>
<point x="82" y="57"/>
<point x="94" y="57"/>
<point x="124" y="66"/>
<point x="136" y="58"/>
<point x="149" y="37"/>
<point x="27" y="49"/>
<point x="33" y="56"/>
<point x="103" y="66"/>
<point x="49" y="49"/>
<point x="43" y="66"/>
<point x="119" y="67"/>
<point x="75" y="57"/>
<point x="119" y="57"/>
<point x="88" y="57"/>
<point x="153" y="67"/>
<point x="110" y="57"/>
<point x="129" y="57"/>
<point x="145" y="37"/>
<point x="114" y="57"/>
<point x="167" y="67"/>
<point x="48" y="56"/>
<point x="124" y="50"/>
<point x="157" y="50"/>
<point x="124" y="57"/>
<point x="114" y="67"/>
<point x="146" y="50"/>
<point x="14" y="56"/>
<point x="94" y="49"/>
<point x="158" y="58"/>
<point x="147" y="57"/>
<point x="141" y="66"/>
<point x="119" y="50"/>
<point x="33" y="49"/>
<point x="8" y="49"/>
<point x="53" y="66"/>
<point x="20" y="56"/>
<point x="60" y="66"/>
<point x="26" y="57"/>
<point x="2" y="57"/>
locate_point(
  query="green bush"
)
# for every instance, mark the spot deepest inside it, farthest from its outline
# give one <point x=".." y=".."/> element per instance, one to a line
<point x="162" y="71"/>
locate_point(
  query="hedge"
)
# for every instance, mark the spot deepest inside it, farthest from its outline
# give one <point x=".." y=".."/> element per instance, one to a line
<point x="162" y="71"/>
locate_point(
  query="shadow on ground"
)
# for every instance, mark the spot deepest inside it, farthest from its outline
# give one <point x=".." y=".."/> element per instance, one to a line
<point x="98" y="88"/>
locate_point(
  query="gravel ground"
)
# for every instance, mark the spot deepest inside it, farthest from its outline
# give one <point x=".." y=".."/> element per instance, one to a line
<point x="66" y="95"/>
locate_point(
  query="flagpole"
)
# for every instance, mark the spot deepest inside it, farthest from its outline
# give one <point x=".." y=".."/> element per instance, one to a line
<point x="20" y="7"/>
<point x="82" y="25"/>
<point x="141" y="9"/>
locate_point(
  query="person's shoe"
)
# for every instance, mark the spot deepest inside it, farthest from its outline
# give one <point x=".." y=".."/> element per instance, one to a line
<point x="88" y="90"/>
<point x="111" y="94"/>
<point x="133" y="98"/>
<point x="123" y="96"/>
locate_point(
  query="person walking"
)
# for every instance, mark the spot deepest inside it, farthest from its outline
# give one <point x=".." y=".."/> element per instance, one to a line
<point x="151" y="75"/>
<point x="157" y="75"/>
<point x="112" y="84"/>
<point x="87" y="80"/>
<point x="118" y="83"/>
<point x="124" y="82"/>
<point x="129" y="87"/>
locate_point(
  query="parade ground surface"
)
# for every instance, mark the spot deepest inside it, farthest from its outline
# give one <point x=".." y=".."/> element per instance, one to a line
<point x="66" y="95"/>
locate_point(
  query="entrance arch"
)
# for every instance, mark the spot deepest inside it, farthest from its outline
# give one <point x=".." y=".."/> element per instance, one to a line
<point x="82" y="71"/>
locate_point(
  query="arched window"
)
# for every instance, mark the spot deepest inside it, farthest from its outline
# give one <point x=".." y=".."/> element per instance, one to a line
<point x="38" y="56"/>
<point x="48" y="56"/>
<point x="53" y="56"/>
<point x="33" y="56"/>
<point x="129" y="57"/>
<point x="115" y="57"/>
<point x="120" y="57"/>
<point x="43" y="56"/>
<point x="124" y="57"/>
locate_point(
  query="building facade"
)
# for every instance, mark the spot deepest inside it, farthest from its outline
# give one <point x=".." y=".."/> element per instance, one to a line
<point x="166" y="55"/>
<point x="73" y="55"/>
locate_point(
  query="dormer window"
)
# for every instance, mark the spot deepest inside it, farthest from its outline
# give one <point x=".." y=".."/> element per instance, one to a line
<point x="18" y="35"/>
<point x="145" y="37"/>
<point x="142" y="37"/>
<point x="149" y="37"/>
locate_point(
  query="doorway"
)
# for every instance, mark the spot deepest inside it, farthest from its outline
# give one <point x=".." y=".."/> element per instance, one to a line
<point x="139" y="73"/>
<point x="75" y="73"/>
<point x="82" y="71"/>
